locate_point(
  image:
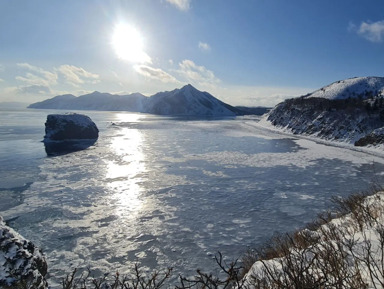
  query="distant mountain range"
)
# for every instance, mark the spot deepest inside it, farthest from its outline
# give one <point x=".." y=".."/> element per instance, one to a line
<point x="187" y="101"/>
<point x="347" y="110"/>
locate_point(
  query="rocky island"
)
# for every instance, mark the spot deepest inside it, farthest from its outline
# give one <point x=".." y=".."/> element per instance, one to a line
<point x="69" y="132"/>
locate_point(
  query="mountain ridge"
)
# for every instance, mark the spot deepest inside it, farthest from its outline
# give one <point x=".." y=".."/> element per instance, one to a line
<point x="186" y="101"/>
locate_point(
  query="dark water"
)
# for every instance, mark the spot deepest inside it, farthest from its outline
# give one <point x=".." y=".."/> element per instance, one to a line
<point x="166" y="192"/>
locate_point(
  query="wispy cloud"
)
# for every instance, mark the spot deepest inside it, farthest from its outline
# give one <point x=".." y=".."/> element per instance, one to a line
<point x="35" y="80"/>
<point x="34" y="89"/>
<point x="183" y="5"/>
<point x="197" y="74"/>
<point x="155" y="73"/>
<point x="28" y="90"/>
<point x="36" y="75"/>
<point x="76" y="76"/>
<point x="372" y="31"/>
<point x="204" y="46"/>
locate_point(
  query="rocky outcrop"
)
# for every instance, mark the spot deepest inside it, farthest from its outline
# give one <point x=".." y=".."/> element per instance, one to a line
<point x="61" y="127"/>
<point x="374" y="138"/>
<point x="66" y="133"/>
<point x="22" y="264"/>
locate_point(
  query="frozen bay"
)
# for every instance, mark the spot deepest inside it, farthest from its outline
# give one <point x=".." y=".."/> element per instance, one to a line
<point x="164" y="191"/>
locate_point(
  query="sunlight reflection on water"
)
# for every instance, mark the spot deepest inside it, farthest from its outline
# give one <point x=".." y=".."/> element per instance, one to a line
<point x="123" y="173"/>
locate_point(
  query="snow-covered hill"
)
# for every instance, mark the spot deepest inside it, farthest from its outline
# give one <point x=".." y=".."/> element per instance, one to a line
<point x="187" y="101"/>
<point x="346" y="110"/>
<point x="362" y="87"/>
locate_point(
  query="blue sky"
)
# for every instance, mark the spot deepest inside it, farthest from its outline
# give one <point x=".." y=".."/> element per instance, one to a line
<point x="246" y="52"/>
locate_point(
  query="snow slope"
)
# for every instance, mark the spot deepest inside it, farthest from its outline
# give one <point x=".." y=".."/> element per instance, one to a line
<point x="346" y="252"/>
<point x="352" y="87"/>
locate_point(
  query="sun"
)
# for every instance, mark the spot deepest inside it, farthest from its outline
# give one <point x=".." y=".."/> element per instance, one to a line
<point x="128" y="44"/>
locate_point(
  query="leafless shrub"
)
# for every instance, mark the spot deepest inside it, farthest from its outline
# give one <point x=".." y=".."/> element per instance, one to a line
<point x="328" y="254"/>
<point x="137" y="280"/>
<point x="231" y="272"/>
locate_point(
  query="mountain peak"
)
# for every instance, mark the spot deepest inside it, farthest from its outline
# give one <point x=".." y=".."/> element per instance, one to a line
<point x="188" y="87"/>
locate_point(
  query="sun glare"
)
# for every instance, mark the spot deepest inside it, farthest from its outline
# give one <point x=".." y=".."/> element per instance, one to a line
<point x="128" y="44"/>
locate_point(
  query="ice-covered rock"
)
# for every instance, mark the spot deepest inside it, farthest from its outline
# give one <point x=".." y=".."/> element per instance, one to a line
<point x="22" y="264"/>
<point x="61" y="127"/>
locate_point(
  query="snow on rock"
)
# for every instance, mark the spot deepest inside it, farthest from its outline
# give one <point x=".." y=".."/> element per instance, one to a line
<point x="22" y="264"/>
<point x="61" y="127"/>
<point x="374" y="138"/>
<point x="344" y="111"/>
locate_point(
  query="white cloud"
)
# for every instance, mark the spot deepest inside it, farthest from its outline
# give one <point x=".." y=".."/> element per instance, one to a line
<point x="155" y="73"/>
<point x="36" y="75"/>
<point x="29" y="90"/>
<point x="196" y="74"/>
<point x="204" y="46"/>
<point x="76" y="75"/>
<point x="373" y="32"/>
<point x="2" y="80"/>
<point x="183" y="5"/>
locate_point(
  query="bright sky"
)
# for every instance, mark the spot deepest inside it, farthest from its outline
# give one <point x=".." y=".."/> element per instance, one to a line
<point x="245" y="52"/>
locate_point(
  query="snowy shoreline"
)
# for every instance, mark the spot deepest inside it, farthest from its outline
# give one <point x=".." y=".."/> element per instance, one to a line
<point x="263" y="123"/>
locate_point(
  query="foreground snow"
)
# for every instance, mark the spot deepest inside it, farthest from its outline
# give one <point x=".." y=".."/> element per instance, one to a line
<point x="346" y="252"/>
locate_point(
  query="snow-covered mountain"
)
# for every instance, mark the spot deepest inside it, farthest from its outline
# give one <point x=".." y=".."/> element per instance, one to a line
<point x="187" y="101"/>
<point x="345" y="110"/>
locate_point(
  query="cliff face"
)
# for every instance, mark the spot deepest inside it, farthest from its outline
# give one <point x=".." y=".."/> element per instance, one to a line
<point x="347" y="115"/>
